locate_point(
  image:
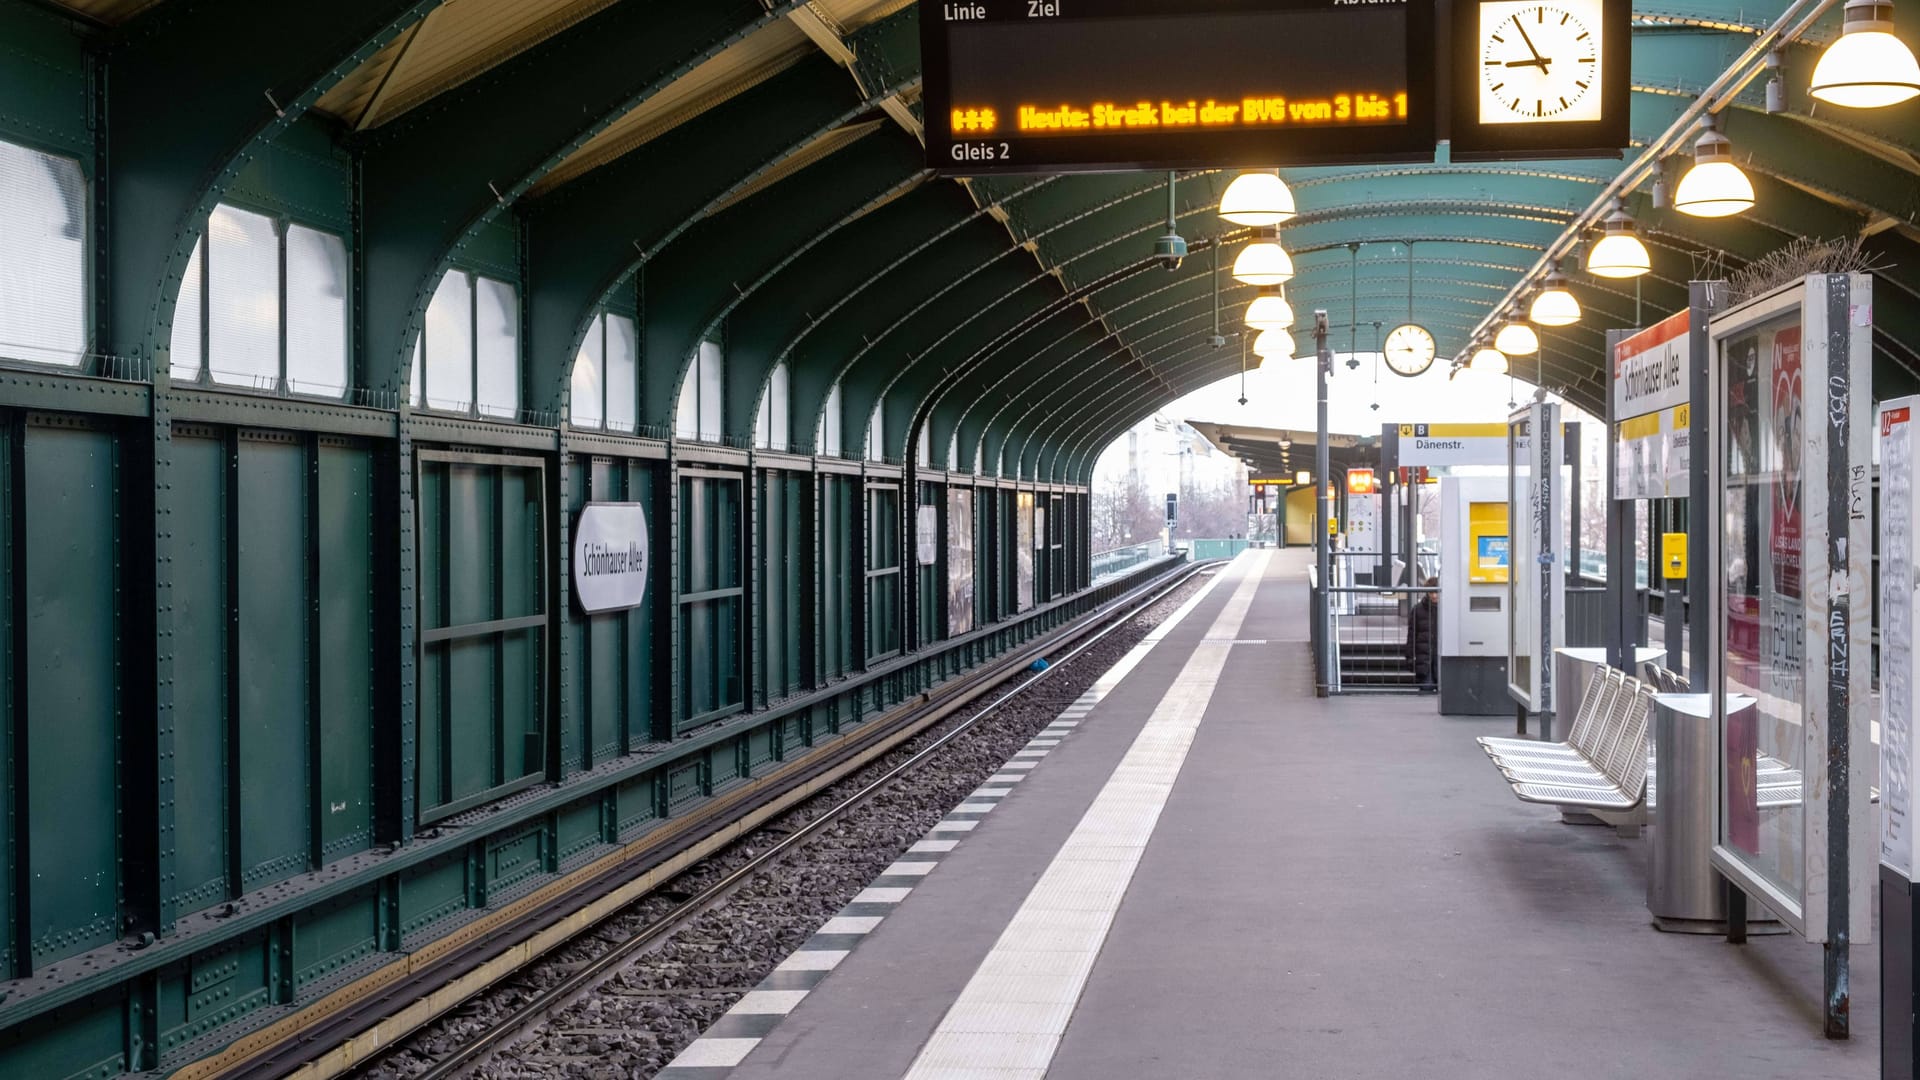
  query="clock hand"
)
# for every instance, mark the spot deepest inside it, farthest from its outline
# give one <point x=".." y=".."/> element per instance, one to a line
<point x="1520" y="25"/>
<point x="1541" y="64"/>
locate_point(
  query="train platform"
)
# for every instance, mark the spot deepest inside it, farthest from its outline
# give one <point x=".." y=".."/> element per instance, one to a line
<point x="1202" y="870"/>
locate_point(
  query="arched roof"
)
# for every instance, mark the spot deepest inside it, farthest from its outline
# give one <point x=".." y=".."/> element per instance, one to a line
<point x="755" y="167"/>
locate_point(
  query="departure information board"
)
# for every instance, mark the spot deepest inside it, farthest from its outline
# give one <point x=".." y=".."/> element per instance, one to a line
<point x="1064" y="85"/>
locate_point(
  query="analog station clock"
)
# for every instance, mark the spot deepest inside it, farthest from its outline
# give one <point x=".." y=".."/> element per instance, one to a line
<point x="1409" y="349"/>
<point x="1541" y="61"/>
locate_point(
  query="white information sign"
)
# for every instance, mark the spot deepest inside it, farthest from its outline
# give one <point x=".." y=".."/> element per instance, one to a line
<point x="1651" y="455"/>
<point x="1899" y="524"/>
<point x="1651" y="427"/>
<point x="1438" y="445"/>
<point x="610" y="556"/>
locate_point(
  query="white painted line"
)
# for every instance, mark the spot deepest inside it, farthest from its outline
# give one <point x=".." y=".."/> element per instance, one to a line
<point x="973" y="808"/>
<point x="1065" y="723"/>
<point x="1006" y="778"/>
<point x="1030" y="753"/>
<point x="1042" y="742"/>
<point x="908" y="869"/>
<point x="769" y="1002"/>
<point x="933" y="845"/>
<point x="1084" y="884"/>
<point x="955" y="826"/>
<point x="814" y="959"/>
<point x="714" y="1053"/>
<point x="1019" y="765"/>
<point x="849" y="924"/>
<point x="881" y="896"/>
<point x="990" y="793"/>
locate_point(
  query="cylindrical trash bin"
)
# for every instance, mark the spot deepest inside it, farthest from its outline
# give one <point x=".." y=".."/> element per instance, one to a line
<point x="1683" y="889"/>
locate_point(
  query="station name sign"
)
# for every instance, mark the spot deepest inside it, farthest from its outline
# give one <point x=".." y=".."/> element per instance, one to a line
<point x="610" y="556"/>
<point x="1046" y="86"/>
<point x="1652" y="454"/>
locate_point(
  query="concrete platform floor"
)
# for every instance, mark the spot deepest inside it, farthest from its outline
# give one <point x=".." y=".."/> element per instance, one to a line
<point x="1335" y="888"/>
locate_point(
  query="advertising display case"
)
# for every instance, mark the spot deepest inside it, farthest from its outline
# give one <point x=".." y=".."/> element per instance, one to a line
<point x="1790" y="556"/>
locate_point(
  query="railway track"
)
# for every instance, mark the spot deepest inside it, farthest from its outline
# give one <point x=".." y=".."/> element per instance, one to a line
<point x="362" y="1034"/>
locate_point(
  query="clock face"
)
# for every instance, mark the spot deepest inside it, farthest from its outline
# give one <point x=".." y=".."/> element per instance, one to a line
<point x="1409" y="349"/>
<point x="1540" y="61"/>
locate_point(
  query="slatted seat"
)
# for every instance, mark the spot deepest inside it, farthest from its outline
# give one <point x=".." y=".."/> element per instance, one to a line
<point x="1602" y="765"/>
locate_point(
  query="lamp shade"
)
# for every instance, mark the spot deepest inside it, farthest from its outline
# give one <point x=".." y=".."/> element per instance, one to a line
<point x="1555" y="306"/>
<point x="1263" y="262"/>
<point x="1257" y="198"/>
<point x="1619" y="254"/>
<point x="1517" y="339"/>
<point x="1269" y="310"/>
<point x="1303" y="477"/>
<point x="1488" y="361"/>
<point x="1715" y="186"/>
<point x="1867" y="68"/>
<point x="1274" y="343"/>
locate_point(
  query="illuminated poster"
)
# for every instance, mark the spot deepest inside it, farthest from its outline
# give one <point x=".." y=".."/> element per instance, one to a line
<point x="959" y="561"/>
<point x="1764" y="621"/>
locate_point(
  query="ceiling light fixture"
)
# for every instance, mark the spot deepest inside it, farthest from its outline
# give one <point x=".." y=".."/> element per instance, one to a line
<point x="1715" y="186"/>
<point x="1867" y="68"/>
<point x="1273" y="344"/>
<point x="1516" y="338"/>
<point x="1619" y="253"/>
<point x="1269" y="310"/>
<point x="1555" y="305"/>
<point x="1488" y="361"/>
<point x="1258" y="199"/>
<point x="1263" y="262"/>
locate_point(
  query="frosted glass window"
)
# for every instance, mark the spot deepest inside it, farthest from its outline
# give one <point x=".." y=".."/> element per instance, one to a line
<point x="771" y="430"/>
<point x="686" y="411"/>
<point x="316" y="312"/>
<point x="43" y="263"/>
<point x="780" y="411"/>
<point x="924" y="453"/>
<point x="710" y="389"/>
<point x="830" y="423"/>
<point x="623" y="358"/>
<point x="876" y="435"/>
<point x="496" y="347"/>
<point x="588" y="386"/>
<point x="187" y="353"/>
<point x="243" y="299"/>
<point x="449" y="334"/>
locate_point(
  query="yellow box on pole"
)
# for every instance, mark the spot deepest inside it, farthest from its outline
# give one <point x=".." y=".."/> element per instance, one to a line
<point x="1673" y="556"/>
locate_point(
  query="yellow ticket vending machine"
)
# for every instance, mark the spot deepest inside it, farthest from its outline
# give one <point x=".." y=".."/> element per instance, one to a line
<point x="1488" y="543"/>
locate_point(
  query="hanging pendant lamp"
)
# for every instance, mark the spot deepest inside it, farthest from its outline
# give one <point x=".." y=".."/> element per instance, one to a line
<point x="1269" y="310"/>
<point x="1258" y="199"/>
<point x="1715" y="186"/>
<point x="1555" y="305"/>
<point x="1867" y="68"/>
<point x="1619" y="253"/>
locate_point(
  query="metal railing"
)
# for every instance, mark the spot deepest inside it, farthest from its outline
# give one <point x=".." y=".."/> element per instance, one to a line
<point x="1120" y="560"/>
<point x="1372" y="638"/>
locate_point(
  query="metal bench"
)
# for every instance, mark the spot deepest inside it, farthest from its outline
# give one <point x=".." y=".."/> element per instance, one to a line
<point x="1603" y="763"/>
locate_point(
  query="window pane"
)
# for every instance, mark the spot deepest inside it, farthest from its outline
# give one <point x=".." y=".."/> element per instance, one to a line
<point x="830" y="423"/>
<point x="316" y="312"/>
<point x="710" y="386"/>
<point x="686" y="411"/>
<point x="185" y="356"/>
<point x="497" y="346"/>
<point x="924" y="452"/>
<point x="243" y="290"/>
<point x="876" y="435"/>
<point x="623" y="399"/>
<point x="763" y="423"/>
<point x="413" y="382"/>
<point x="450" y="344"/>
<point x="43" y="269"/>
<point x="587" y="385"/>
<point x="780" y="409"/>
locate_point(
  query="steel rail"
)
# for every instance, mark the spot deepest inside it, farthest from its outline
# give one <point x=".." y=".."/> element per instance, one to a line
<point x="354" y="1032"/>
<point x="507" y="1030"/>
